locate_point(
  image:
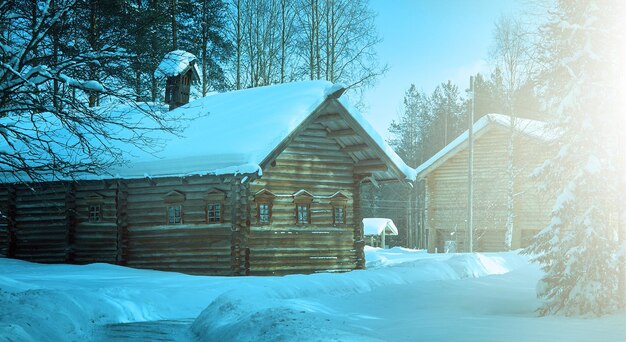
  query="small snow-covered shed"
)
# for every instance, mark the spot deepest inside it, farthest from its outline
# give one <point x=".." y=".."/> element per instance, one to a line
<point x="180" y="71"/>
<point x="377" y="229"/>
<point x="262" y="181"/>
<point x="446" y="180"/>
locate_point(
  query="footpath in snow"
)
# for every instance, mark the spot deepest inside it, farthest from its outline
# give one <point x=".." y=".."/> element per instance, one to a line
<point x="404" y="295"/>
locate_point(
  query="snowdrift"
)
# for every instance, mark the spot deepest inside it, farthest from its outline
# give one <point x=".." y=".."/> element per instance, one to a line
<point x="403" y="295"/>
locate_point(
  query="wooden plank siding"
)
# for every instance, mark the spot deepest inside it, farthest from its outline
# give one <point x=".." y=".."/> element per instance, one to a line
<point x="315" y="163"/>
<point x="446" y="189"/>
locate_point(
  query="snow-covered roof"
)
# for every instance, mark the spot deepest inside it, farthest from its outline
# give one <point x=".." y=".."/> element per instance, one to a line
<point x="235" y="132"/>
<point x="532" y="128"/>
<point x="376" y="226"/>
<point x="176" y="63"/>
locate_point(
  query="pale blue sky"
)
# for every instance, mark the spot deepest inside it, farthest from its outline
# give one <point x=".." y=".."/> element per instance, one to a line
<point x="427" y="42"/>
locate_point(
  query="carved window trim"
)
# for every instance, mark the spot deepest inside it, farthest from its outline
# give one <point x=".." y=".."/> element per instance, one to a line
<point x="174" y="212"/>
<point x="302" y="200"/>
<point x="264" y="198"/>
<point x="339" y="203"/>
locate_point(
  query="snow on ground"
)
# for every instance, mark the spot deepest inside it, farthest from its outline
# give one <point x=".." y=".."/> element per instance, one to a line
<point x="404" y="295"/>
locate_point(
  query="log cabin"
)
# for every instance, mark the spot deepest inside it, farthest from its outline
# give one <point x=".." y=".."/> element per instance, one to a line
<point x="263" y="181"/>
<point x="446" y="179"/>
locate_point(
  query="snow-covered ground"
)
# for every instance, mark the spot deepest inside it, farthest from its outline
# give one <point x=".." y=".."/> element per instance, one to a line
<point x="404" y="295"/>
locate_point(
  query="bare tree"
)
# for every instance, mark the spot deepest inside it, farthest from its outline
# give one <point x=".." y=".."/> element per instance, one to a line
<point x="47" y="131"/>
<point x="512" y="56"/>
<point x="238" y="42"/>
<point x="287" y="34"/>
<point x="340" y="38"/>
<point x="281" y="40"/>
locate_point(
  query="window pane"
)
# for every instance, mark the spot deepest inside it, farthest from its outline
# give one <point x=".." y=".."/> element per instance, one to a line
<point x="264" y="213"/>
<point x="174" y="214"/>
<point x="339" y="215"/>
<point x="303" y="213"/>
<point x="214" y="212"/>
<point x="94" y="213"/>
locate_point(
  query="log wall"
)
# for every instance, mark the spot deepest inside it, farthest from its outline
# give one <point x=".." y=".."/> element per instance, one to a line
<point x="41" y="223"/>
<point x="447" y="195"/>
<point x="50" y="223"/>
<point x="195" y="246"/>
<point x="7" y="215"/>
<point x="97" y="241"/>
<point x="314" y="163"/>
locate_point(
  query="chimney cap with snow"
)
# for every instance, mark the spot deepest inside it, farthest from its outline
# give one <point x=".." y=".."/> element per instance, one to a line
<point x="180" y="71"/>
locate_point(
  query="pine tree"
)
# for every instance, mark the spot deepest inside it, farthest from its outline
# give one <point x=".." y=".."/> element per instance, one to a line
<point x="582" y="248"/>
<point x="410" y="130"/>
<point x="447" y="113"/>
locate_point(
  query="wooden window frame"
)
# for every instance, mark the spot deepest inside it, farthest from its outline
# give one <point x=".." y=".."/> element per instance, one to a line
<point x="269" y="212"/>
<point x="167" y="214"/>
<point x="95" y="200"/>
<point x="214" y="197"/>
<point x="308" y="213"/>
<point x="335" y="208"/>
<point x="303" y="198"/>
<point x="221" y="212"/>
<point x="264" y="197"/>
<point x="173" y="199"/>
<point x="90" y="211"/>
<point x="339" y="200"/>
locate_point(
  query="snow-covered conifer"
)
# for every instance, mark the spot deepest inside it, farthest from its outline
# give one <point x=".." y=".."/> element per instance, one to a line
<point x="581" y="85"/>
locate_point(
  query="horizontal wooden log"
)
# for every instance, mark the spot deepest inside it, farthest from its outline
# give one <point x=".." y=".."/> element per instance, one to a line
<point x="147" y="245"/>
<point x="354" y="148"/>
<point x="370" y="168"/>
<point x="331" y="117"/>
<point x="341" y="133"/>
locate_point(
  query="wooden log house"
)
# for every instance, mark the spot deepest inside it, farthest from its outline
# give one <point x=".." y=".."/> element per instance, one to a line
<point x="264" y="182"/>
<point x="446" y="177"/>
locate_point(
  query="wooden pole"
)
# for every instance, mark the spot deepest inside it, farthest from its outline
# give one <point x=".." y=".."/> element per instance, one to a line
<point x="621" y="220"/>
<point x="359" y="241"/>
<point x="470" y="171"/>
